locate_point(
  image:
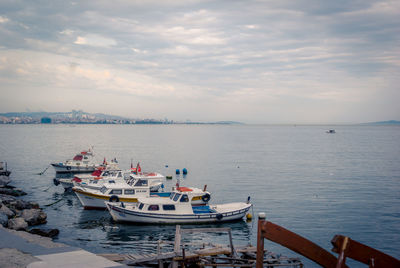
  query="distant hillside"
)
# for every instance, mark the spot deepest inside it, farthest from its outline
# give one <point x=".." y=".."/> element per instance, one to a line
<point x="390" y="122"/>
<point x="60" y="114"/>
<point x="81" y="117"/>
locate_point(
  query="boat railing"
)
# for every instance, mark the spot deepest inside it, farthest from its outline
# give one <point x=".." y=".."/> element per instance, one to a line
<point x="343" y="245"/>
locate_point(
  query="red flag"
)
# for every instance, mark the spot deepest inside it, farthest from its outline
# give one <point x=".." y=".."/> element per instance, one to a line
<point x="138" y="168"/>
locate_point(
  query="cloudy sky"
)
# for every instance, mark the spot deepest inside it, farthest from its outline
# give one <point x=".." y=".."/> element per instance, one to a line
<point x="304" y="61"/>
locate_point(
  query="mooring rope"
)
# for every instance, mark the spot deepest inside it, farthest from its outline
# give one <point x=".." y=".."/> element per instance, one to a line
<point x="48" y="205"/>
<point x="41" y="173"/>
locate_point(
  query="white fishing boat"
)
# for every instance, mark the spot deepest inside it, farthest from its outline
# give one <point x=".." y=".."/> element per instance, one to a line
<point x="104" y="173"/>
<point x="129" y="192"/>
<point x="82" y="162"/>
<point x="176" y="209"/>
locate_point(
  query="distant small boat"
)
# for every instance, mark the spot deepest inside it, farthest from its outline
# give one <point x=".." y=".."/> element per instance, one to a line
<point x="331" y="131"/>
<point x="3" y="170"/>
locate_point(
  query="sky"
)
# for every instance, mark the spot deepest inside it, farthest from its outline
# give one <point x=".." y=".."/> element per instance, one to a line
<point x="285" y="61"/>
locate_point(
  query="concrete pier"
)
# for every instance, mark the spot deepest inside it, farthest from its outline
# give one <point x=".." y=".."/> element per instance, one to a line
<point x="22" y="249"/>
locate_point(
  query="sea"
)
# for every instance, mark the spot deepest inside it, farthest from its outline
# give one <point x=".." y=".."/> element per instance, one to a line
<point x="306" y="180"/>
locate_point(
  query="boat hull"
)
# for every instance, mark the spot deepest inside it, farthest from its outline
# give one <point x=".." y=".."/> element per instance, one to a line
<point x="97" y="201"/>
<point x="73" y="169"/>
<point x="120" y="214"/>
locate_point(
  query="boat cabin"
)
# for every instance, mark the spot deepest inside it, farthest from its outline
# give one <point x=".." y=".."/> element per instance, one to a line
<point x="118" y="188"/>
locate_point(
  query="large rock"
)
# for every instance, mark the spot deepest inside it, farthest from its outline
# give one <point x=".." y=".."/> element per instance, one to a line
<point x="34" y="216"/>
<point x="3" y="219"/>
<point x="45" y="232"/>
<point x="4" y="180"/>
<point x="4" y="209"/>
<point x="17" y="224"/>
<point x="7" y="199"/>
<point x="12" y="191"/>
<point x="21" y="204"/>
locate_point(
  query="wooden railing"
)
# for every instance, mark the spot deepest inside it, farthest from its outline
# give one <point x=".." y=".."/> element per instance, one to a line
<point x="344" y="246"/>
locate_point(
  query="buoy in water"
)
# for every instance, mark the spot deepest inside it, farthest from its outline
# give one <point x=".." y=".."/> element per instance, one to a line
<point x="178" y="171"/>
<point x="249" y="217"/>
<point x="184" y="171"/>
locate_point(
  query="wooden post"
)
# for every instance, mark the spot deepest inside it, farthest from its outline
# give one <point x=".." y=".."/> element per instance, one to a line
<point x="231" y="243"/>
<point x="177" y="244"/>
<point x="160" y="262"/>
<point x="260" y="241"/>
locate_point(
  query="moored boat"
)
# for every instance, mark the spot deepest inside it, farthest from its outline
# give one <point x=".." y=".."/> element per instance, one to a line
<point x="82" y="162"/>
<point x="176" y="209"/>
<point x="3" y="169"/>
<point x="129" y="192"/>
<point x="108" y="171"/>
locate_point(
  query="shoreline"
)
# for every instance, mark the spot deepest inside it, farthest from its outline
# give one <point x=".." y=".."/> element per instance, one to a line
<point x="24" y="246"/>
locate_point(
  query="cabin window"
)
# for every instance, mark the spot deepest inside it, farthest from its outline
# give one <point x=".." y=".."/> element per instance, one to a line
<point x="94" y="181"/>
<point x="129" y="191"/>
<point x="111" y="181"/>
<point x="168" y="207"/>
<point x="185" y="198"/>
<point x="141" y="205"/>
<point x="171" y="196"/>
<point x="119" y="174"/>
<point x="153" y="207"/>
<point x="85" y="157"/>
<point x="176" y="197"/>
<point x="103" y="189"/>
<point x="106" y="173"/>
<point x="116" y="191"/>
<point x="141" y="183"/>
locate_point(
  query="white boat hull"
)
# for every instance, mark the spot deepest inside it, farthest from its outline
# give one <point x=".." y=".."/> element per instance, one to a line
<point x="120" y="214"/>
<point x="91" y="202"/>
<point x="96" y="201"/>
<point x="73" y="169"/>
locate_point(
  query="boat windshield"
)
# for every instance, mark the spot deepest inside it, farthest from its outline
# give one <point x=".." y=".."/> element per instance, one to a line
<point x="171" y="196"/>
<point x="141" y="182"/>
<point x="103" y="189"/>
<point x="176" y="197"/>
<point x="78" y="157"/>
<point x="185" y="198"/>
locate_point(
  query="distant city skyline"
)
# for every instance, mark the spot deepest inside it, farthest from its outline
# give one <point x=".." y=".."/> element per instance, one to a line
<point x="289" y="62"/>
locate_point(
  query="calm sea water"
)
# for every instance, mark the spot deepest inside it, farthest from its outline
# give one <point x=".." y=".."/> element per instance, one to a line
<point x="313" y="183"/>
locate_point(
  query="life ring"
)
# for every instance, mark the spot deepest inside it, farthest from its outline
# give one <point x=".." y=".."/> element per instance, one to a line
<point x="68" y="168"/>
<point x="206" y="198"/>
<point x="219" y="217"/>
<point x="114" y="198"/>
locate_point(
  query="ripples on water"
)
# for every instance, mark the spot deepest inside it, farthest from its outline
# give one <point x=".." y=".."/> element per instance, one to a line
<point x="313" y="183"/>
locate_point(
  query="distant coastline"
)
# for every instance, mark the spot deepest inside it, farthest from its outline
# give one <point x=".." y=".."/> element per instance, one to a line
<point x="81" y="117"/>
<point x="383" y="123"/>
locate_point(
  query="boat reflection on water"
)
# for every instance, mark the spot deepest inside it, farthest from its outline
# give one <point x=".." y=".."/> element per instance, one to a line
<point x="132" y="236"/>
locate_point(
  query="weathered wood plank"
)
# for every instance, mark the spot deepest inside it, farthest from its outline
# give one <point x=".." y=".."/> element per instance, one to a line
<point x="154" y="257"/>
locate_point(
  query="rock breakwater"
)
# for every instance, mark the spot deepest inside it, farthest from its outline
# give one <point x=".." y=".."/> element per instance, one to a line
<point x="18" y="214"/>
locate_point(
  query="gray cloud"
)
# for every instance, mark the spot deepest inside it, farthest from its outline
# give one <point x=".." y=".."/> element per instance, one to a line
<point x="254" y="61"/>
